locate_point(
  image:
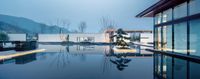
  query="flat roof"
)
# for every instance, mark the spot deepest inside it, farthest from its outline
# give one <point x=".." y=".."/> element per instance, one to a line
<point x="159" y="7"/>
<point x="132" y="31"/>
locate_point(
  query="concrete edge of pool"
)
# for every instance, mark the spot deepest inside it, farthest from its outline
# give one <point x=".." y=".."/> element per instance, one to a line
<point x="5" y="57"/>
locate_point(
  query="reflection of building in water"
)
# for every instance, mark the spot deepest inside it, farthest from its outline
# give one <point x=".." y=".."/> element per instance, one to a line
<point x="7" y="61"/>
<point x="86" y="39"/>
<point x="25" y="59"/>
<point x="85" y="48"/>
<point x="77" y="49"/>
<point x="83" y="37"/>
<point x="21" y="59"/>
<point x="166" y="67"/>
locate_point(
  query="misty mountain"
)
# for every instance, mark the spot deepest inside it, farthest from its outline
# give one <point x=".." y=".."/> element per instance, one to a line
<point x="24" y="25"/>
<point x="11" y="28"/>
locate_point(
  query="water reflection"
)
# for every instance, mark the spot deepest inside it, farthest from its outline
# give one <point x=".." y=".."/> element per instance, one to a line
<point x="25" y="59"/>
<point x="96" y="62"/>
<point x="79" y="62"/>
<point x="21" y="59"/>
<point x="166" y="67"/>
<point x="121" y="63"/>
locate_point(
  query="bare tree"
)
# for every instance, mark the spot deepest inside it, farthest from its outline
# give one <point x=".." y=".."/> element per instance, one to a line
<point x="74" y="31"/>
<point x="82" y="27"/>
<point x="107" y="24"/>
<point x="42" y="28"/>
<point x="66" y="24"/>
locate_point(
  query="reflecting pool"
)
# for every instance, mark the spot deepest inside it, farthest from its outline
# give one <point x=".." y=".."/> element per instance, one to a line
<point x="79" y="62"/>
<point x="96" y="62"/>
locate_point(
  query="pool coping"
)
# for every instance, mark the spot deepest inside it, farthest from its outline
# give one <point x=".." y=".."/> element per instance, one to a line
<point x="177" y="55"/>
<point x="18" y="54"/>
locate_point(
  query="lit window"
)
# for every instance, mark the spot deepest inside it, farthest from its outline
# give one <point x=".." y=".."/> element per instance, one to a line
<point x="158" y="18"/>
<point x="167" y="15"/>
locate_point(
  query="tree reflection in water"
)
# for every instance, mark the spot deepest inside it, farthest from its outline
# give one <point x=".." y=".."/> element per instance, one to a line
<point x="120" y="59"/>
<point x="61" y="60"/>
<point x="121" y="62"/>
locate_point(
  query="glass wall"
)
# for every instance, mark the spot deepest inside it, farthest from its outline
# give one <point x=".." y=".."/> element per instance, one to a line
<point x="167" y="38"/>
<point x="164" y="34"/>
<point x="167" y="15"/>
<point x="156" y="38"/>
<point x="159" y="38"/>
<point x="180" y="38"/>
<point x="180" y="11"/>
<point x="195" y="37"/>
<point x="194" y="7"/>
<point x="158" y="18"/>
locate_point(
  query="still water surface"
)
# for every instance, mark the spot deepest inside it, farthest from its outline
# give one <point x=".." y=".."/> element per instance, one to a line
<point x="79" y="62"/>
<point x="96" y="62"/>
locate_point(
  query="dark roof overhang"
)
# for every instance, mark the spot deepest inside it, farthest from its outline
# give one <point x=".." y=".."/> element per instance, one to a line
<point x="159" y="7"/>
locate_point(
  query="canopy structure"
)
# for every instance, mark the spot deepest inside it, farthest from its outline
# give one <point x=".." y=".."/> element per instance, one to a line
<point x="159" y="7"/>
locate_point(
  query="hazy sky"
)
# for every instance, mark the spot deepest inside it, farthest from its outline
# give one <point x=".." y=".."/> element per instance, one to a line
<point x="122" y="12"/>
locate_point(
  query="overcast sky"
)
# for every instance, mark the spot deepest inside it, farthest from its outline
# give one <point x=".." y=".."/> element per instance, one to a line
<point x="122" y="12"/>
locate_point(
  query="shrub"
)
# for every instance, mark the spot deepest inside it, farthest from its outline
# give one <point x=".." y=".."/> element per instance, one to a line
<point x="4" y="36"/>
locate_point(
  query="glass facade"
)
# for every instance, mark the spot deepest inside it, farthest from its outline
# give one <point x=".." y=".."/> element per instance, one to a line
<point x="194" y="7"/>
<point x="180" y="11"/>
<point x="195" y="37"/>
<point x="167" y="15"/>
<point x="158" y="18"/>
<point x="158" y="38"/>
<point x="155" y="38"/>
<point x="175" y="33"/>
<point x="167" y="38"/>
<point x="180" y="38"/>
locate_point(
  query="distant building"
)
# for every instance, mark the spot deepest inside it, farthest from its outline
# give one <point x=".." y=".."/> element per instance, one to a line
<point x="146" y="38"/>
<point x="75" y="37"/>
<point x="143" y="36"/>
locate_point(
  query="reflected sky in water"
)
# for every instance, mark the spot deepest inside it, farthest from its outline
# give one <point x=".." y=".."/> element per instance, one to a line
<point x="78" y="62"/>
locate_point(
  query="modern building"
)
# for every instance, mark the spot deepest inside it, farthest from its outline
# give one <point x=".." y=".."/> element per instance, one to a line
<point x="176" y="38"/>
<point x="176" y="25"/>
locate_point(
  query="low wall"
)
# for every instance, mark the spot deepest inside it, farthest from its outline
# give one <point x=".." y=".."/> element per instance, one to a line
<point x="73" y="37"/>
<point x="17" y="37"/>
